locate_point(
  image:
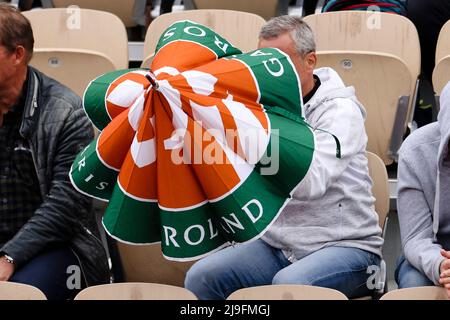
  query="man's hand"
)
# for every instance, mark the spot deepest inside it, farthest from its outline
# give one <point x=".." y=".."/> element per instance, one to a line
<point x="445" y="271"/>
<point x="6" y="269"/>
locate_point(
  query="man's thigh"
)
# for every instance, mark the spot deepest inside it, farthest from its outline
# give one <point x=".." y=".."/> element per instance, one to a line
<point x="235" y="267"/>
<point x="407" y="276"/>
<point x="339" y="268"/>
<point x="49" y="272"/>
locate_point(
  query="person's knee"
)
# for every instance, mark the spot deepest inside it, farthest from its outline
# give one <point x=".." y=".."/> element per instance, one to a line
<point x="288" y="277"/>
<point x="49" y="273"/>
<point x="412" y="279"/>
<point x="408" y="276"/>
<point x="204" y="279"/>
<point x="195" y="277"/>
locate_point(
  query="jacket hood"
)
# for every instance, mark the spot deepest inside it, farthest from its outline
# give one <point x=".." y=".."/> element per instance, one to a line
<point x="444" y="124"/>
<point x="331" y="87"/>
<point x="441" y="216"/>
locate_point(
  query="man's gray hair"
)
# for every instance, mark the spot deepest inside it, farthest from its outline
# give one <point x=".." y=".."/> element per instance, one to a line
<point x="301" y="33"/>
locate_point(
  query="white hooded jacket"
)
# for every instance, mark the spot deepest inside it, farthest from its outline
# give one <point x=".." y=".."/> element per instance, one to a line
<point x="333" y="205"/>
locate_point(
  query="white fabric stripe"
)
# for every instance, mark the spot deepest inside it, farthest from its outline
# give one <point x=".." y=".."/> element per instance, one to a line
<point x="252" y="136"/>
<point x="179" y="119"/>
<point x="169" y="70"/>
<point x="125" y="93"/>
<point x="210" y="119"/>
<point x="144" y="152"/>
<point x="200" y="82"/>
<point x="136" y="112"/>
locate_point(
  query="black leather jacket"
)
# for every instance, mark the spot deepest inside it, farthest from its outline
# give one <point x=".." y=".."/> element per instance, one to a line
<point x="56" y="128"/>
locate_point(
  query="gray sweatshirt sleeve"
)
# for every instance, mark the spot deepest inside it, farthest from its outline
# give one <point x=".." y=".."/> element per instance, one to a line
<point x="416" y="223"/>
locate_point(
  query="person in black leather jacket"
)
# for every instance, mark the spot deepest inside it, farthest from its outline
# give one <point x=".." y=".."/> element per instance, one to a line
<point x="47" y="228"/>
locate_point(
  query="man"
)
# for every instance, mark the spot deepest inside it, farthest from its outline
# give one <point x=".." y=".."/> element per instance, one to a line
<point x="45" y="240"/>
<point x="328" y="234"/>
<point x="423" y="203"/>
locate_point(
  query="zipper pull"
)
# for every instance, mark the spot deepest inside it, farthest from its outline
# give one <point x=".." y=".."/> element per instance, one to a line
<point x="336" y="140"/>
<point x="33" y="107"/>
<point x="35" y="93"/>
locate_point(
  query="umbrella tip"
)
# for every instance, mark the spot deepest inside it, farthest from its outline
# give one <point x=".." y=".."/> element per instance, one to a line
<point x="152" y="79"/>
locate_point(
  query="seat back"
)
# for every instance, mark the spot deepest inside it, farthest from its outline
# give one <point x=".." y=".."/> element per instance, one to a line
<point x="443" y="43"/>
<point x="287" y="292"/>
<point x="76" y="46"/>
<point x="364" y="53"/>
<point x="18" y="291"/>
<point x="441" y="71"/>
<point x="418" y="293"/>
<point x="441" y="74"/>
<point x="147" y="264"/>
<point x="263" y="8"/>
<point x="135" y="291"/>
<point x="379" y="81"/>
<point x="380" y="186"/>
<point x="124" y="9"/>
<point x="240" y="28"/>
<point x="368" y="31"/>
<point x="82" y="29"/>
<point x="73" y="68"/>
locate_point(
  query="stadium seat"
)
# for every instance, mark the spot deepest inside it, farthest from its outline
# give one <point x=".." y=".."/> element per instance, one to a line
<point x="18" y="291"/>
<point x="76" y="46"/>
<point x="240" y="28"/>
<point x="135" y="291"/>
<point x="121" y="8"/>
<point x="378" y="54"/>
<point x="418" y="293"/>
<point x="441" y="73"/>
<point x="264" y="8"/>
<point x="147" y="264"/>
<point x="380" y="190"/>
<point x="287" y="292"/>
<point x="67" y="66"/>
<point x="380" y="186"/>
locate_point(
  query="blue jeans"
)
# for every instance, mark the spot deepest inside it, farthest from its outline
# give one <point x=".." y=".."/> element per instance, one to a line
<point x="49" y="272"/>
<point x="256" y="263"/>
<point x="407" y="276"/>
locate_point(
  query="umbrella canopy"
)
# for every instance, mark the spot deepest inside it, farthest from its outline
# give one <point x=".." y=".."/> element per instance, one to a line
<point x="204" y="151"/>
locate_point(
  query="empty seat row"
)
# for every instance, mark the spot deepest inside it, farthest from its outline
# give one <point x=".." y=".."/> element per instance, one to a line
<point x="380" y="58"/>
<point x="154" y="291"/>
<point x="76" y="46"/>
<point x="124" y="9"/>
